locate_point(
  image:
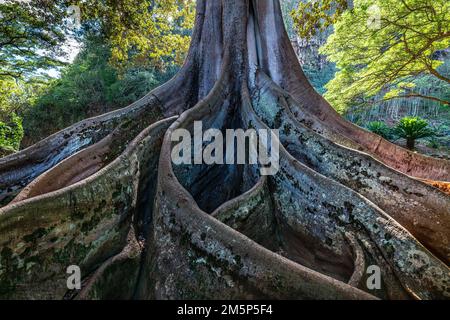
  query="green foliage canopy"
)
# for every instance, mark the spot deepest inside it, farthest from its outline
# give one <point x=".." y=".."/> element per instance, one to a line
<point x="142" y="32"/>
<point x="11" y="134"/>
<point x="32" y="35"/>
<point x="373" y="58"/>
<point x="313" y="17"/>
<point x="128" y="46"/>
<point x="379" y="46"/>
<point x="88" y="87"/>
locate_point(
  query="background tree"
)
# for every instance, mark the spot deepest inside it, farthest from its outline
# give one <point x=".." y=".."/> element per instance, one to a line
<point x="126" y="50"/>
<point x="14" y="95"/>
<point x="313" y="17"/>
<point x="142" y="32"/>
<point x="89" y="86"/>
<point x="32" y="36"/>
<point x="380" y="46"/>
<point x="11" y="133"/>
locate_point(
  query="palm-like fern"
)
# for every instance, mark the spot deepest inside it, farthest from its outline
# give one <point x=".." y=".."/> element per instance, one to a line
<point x="380" y="128"/>
<point x="411" y="129"/>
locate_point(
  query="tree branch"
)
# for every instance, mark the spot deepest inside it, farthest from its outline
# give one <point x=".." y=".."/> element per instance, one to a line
<point x="415" y="95"/>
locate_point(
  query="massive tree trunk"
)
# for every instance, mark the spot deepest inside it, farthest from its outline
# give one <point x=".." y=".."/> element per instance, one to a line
<point x="105" y="195"/>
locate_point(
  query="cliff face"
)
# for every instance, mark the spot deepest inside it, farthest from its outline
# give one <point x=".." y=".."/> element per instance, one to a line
<point x="318" y="70"/>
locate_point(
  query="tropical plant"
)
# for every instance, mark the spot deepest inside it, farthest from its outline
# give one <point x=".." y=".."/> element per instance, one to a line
<point x="411" y="129"/>
<point x="433" y="143"/>
<point x="380" y="128"/>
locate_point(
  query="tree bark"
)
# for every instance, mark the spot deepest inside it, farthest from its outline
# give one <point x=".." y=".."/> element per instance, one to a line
<point x="104" y="194"/>
<point x="410" y="143"/>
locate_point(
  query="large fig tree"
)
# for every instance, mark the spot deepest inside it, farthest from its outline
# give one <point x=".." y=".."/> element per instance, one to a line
<point x="105" y="195"/>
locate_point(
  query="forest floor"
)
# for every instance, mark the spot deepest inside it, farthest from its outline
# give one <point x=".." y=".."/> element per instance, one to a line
<point x="438" y="146"/>
<point x="424" y="148"/>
